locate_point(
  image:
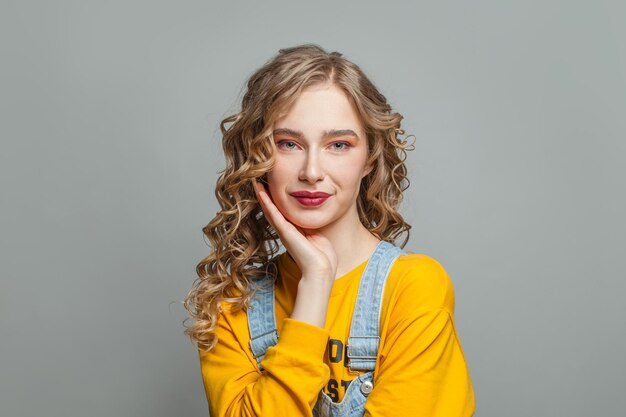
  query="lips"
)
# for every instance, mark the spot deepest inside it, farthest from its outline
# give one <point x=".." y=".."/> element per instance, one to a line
<point x="309" y="194"/>
<point x="308" y="198"/>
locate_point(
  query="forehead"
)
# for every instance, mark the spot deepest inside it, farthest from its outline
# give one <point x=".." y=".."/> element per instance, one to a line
<point x="321" y="108"/>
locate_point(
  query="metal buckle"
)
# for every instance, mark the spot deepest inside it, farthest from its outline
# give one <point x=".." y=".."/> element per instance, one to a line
<point x="366" y="357"/>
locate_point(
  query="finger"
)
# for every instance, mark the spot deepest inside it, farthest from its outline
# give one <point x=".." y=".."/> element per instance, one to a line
<point x="261" y="195"/>
<point x="292" y="236"/>
<point x="271" y="212"/>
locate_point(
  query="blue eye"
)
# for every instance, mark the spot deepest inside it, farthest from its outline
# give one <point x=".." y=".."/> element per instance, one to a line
<point x="283" y="142"/>
<point x="344" y="146"/>
<point x="291" y="145"/>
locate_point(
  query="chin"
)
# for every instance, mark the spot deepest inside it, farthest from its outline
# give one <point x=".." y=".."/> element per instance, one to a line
<point x="310" y="225"/>
<point x="307" y="223"/>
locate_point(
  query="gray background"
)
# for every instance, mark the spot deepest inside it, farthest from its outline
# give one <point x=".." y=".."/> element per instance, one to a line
<point x="110" y="151"/>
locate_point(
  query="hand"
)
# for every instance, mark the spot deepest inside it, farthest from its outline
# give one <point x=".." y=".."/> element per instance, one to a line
<point x="313" y="253"/>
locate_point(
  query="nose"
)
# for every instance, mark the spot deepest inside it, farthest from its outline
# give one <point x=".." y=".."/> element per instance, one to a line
<point x="312" y="170"/>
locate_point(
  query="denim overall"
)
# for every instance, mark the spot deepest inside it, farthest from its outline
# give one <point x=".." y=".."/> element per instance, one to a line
<point x="362" y="347"/>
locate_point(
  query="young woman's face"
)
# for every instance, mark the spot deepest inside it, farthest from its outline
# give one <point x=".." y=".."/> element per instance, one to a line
<point x="320" y="148"/>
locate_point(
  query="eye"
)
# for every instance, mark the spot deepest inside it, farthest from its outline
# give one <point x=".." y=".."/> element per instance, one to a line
<point x="340" y="146"/>
<point x="286" y="144"/>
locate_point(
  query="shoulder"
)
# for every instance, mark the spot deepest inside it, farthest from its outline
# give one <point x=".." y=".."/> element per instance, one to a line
<point x="419" y="282"/>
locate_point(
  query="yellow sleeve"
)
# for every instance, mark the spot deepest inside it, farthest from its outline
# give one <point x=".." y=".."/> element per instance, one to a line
<point x="294" y="372"/>
<point x="422" y="370"/>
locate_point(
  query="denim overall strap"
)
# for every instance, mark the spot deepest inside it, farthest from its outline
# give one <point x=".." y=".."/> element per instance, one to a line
<point x="364" y="336"/>
<point x="262" y="318"/>
<point x="362" y="346"/>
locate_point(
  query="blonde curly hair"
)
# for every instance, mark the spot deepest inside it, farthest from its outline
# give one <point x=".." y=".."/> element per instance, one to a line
<point x="241" y="239"/>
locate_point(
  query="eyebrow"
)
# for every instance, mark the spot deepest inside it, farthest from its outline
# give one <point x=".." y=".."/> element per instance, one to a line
<point x="327" y="133"/>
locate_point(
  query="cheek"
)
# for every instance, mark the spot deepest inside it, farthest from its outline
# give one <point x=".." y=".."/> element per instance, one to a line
<point x="348" y="171"/>
<point x="351" y="172"/>
<point x="282" y="171"/>
<point x="277" y="179"/>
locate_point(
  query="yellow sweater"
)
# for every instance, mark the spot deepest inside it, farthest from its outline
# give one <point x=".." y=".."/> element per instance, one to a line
<point x="420" y="369"/>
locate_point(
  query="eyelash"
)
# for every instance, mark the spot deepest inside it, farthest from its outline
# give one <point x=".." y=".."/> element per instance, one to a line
<point x="344" y="148"/>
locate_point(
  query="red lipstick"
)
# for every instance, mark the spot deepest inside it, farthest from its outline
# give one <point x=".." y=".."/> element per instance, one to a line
<point x="310" y="198"/>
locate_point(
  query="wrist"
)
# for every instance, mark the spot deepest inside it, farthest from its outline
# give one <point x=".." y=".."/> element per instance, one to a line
<point x="316" y="285"/>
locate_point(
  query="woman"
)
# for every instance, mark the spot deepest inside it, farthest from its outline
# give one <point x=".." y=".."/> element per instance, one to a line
<point x="344" y="322"/>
